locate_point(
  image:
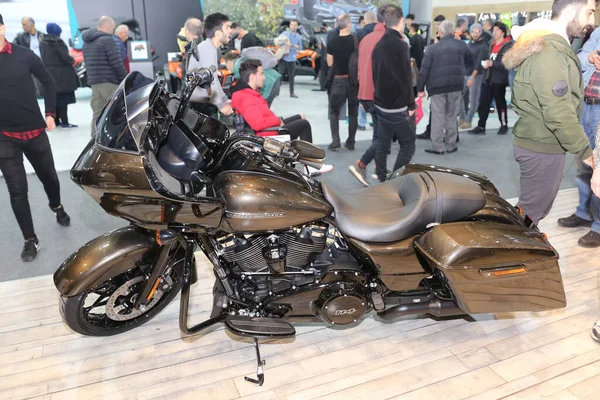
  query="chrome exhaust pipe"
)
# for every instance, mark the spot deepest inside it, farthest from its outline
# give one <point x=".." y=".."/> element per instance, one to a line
<point x="436" y="307"/>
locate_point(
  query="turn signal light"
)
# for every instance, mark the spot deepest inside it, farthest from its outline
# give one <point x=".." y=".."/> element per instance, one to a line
<point x="520" y="210"/>
<point x="165" y="237"/>
<point x="513" y="271"/>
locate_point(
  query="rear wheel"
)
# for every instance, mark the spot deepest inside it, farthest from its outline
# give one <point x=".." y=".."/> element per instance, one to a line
<point x="109" y="308"/>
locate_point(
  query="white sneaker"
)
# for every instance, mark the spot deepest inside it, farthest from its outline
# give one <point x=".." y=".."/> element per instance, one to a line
<point x="324" y="168"/>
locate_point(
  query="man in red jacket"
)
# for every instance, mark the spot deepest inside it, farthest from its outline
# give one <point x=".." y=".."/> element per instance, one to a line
<point x="255" y="110"/>
<point x="247" y="101"/>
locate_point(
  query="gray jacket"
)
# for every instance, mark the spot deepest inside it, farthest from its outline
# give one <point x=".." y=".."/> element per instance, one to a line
<point x="208" y="55"/>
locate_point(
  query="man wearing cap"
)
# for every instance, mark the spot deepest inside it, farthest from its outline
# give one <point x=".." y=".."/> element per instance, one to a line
<point x="23" y="131"/>
<point x="474" y="74"/>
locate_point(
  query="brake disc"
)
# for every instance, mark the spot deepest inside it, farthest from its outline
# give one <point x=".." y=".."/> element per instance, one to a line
<point x="125" y="309"/>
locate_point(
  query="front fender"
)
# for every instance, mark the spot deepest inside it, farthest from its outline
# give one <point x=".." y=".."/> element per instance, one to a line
<point x="103" y="258"/>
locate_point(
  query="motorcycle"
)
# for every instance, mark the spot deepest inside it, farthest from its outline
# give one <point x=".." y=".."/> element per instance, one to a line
<point x="283" y="246"/>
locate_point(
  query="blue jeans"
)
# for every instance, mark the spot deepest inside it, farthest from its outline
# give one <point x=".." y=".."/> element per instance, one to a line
<point x="362" y="117"/>
<point x="589" y="204"/>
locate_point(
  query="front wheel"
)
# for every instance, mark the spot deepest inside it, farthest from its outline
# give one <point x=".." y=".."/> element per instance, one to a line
<point x="108" y="309"/>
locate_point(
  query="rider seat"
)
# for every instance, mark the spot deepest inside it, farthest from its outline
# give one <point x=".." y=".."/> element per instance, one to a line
<point x="403" y="207"/>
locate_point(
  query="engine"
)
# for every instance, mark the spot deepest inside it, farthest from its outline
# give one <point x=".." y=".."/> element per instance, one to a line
<point x="286" y="252"/>
<point x="296" y="273"/>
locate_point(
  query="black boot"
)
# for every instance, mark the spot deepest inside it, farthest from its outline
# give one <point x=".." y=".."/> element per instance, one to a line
<point x="591" y="240"/>
<point x="574" y="222"/>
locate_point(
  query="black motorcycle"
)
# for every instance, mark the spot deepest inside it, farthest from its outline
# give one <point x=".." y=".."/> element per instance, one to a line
<point x="284" y="247"/>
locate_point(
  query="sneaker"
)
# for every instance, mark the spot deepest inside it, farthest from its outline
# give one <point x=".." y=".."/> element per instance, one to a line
<point x="574" y="222"/>
<point x="349" y="146"/>
<point x="477" y="131"/>
<point x="293" y="96"/>
<point x="596" y="332"/>
<point x="30" y="249"/>
<point x="359" y="173"/>
<point x="465" y="125"/>
<point x="61" y="216"/>
<point x="503" y="130"/>
<point x="316" y="172"/>
<point x="68" y="126"/>
<point x="334" y="147"/>
<point x="361" y="128"/>
<point x="590" y="240"/>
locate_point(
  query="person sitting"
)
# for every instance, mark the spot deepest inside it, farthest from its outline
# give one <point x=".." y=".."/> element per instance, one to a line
<point x="249" y="103"/>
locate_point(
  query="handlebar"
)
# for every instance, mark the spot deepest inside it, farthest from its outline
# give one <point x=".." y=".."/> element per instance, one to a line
<point x="199" y="77"/>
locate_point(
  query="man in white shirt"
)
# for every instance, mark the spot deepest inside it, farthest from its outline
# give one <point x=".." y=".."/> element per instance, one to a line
<point x="30" y="37"/>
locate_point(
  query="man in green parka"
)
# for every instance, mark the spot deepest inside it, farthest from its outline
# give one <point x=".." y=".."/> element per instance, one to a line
<point x="547" y="95"/>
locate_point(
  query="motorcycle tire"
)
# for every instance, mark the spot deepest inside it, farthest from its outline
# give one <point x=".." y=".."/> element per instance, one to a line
<point x="73" y="314"/>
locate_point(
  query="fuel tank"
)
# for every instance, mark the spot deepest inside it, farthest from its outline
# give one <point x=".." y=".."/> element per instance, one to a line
<point x="259" y="202"/>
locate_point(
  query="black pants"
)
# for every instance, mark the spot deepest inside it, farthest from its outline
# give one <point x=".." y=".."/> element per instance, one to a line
<point x="400" y="126"/>
<point x="370" y="108"/>
<point x="489" y="92"/>
<point x="39" y="154"/>
<point x="340" y="93"/>
<point x="299" y="128"/>
<point x="290" y="68"/>
<point x="324" y="72"/>
<point x="61" y="115"/>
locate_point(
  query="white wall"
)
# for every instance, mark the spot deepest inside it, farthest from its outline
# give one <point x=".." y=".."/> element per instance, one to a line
<point x="42" y="11"/>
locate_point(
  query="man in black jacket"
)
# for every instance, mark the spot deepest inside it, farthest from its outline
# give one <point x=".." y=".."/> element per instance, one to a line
<point x="394" y="99"/>
<point x="30" y="38"/>
<point x="370" y="22"/>
<point x="473" y="76"/>
<point x="442" y="73"/>
<point x="23" y="131"/>
<point x="104" y="65"/>
<point x="417" y="44"/>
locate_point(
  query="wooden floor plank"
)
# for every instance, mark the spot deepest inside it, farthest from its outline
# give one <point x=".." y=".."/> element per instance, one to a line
<point x="508" y="355"/>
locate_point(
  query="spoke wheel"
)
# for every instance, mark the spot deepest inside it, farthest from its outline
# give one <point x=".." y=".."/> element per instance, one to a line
<point x="109" y="308"/>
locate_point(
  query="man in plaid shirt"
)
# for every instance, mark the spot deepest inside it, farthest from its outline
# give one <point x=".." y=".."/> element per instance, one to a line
<point x="23" y="131"/>
<point x="588" y="211"/>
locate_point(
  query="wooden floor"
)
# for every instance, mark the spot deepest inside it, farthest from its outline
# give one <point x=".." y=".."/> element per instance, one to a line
<point x="516" y="356"/>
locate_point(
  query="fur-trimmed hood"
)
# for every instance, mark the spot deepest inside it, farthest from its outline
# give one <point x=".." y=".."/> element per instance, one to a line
<point x="530" y="40"/>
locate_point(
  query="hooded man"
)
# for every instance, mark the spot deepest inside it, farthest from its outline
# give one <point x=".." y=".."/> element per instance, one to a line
<point x="548" y="96"/>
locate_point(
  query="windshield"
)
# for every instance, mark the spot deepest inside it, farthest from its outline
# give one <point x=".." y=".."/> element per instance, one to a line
<point x="112" y="127"/>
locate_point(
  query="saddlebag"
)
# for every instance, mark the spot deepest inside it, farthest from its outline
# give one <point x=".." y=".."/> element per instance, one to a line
<point x="493" y="268"/>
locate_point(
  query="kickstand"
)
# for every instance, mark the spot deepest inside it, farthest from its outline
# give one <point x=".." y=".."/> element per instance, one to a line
<point x="259" y="370"/>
